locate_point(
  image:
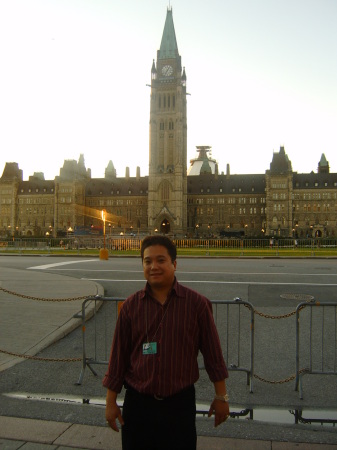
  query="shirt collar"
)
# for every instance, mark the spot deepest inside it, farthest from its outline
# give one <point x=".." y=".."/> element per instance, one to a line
<point x="176" y="288"/>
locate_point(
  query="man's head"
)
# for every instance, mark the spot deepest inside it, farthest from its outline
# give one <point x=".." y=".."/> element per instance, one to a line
<point x="159" y="240"/>
<point x="159" y="262"/>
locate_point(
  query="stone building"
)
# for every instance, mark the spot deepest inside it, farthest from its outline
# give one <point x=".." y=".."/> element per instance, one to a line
<point x="173" y="199"/>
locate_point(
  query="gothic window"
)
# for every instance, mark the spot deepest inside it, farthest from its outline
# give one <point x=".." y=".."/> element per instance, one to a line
<point x="168" y="101"/>
<point x="164" y="101"/>
<point x="159" y="101"/>
<point x="165" y="191"/>
<point x="161" y="126"/>
<point x="173" y="101"/>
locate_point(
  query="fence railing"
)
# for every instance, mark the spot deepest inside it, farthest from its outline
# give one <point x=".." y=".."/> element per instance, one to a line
<point x="208" y="246"/>
<point x="316" y="344"/>
<point x="234" y="320"/>
<point x="315" y="341"/>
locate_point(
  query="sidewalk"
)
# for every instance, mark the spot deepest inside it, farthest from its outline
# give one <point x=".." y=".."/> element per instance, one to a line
<point x="30" y="434"/>
<point x="28" y="326"/>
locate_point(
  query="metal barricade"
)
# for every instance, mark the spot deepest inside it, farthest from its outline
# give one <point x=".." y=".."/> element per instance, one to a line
<point x="316" y="340"/>
<point x="100" y="334"/>
<point x="234" y="320"/>
<point x="230" y="316"/>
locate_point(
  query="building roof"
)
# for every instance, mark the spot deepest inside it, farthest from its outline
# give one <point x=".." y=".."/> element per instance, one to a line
<point x="132" y="186"/>
<point x="11" y="172"/>
<point x="36" y="186"/>
<point x="202" y="163"/>
<point x="314" y="180"/>
<point x="280" y="163"/>
<point x="168" y="46"/>
<point x="323" y="161"/>
<point x="209" y="184"/>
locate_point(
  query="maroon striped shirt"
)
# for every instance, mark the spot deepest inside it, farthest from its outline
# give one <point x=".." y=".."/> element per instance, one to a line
<point x="181" y="327"/>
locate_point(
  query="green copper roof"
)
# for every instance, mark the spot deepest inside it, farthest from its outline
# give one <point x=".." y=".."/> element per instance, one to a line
<point x="323" y="161"/>
<point x="168" y="46"/>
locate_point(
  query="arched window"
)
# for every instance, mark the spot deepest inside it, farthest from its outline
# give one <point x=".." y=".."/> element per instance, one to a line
<point x="165" y="191"/>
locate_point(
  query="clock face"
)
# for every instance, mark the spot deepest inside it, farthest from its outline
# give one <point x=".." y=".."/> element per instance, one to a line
<point x="167" y="71"/>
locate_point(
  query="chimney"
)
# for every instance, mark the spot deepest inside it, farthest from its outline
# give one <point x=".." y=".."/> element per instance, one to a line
<point x="127" y="172"/>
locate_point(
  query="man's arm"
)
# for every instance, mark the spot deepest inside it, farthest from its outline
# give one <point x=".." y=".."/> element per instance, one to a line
<point x="112" y="410"/>
<point x="220" y="408"/>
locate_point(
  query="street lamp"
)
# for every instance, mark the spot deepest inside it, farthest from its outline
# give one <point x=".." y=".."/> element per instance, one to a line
<point x="103" y="253"/>
<point x="103" y="218"/>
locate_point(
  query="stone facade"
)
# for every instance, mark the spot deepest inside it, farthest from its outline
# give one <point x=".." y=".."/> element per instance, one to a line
<point x="173" y="199"/>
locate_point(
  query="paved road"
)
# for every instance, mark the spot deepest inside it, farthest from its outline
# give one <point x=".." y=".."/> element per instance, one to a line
<point x="47" y="390"/>
<point x="259" y="281"/>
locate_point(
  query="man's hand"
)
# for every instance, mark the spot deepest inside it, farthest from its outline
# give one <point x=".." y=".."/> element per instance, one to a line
<point x="112" y="411"/>
<point x="220" y="410"/>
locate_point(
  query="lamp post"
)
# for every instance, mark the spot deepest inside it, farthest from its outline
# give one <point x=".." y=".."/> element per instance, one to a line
<point x="103" y="253"/>
<point x="103" y="218"/>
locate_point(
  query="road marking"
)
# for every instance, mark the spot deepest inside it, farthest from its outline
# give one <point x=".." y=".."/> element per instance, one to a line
<point x="262" y="283"/>
<point x="49" y="266"/>
<point x="210" y="272"/>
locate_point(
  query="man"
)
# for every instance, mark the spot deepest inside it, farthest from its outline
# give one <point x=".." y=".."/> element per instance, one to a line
<point x="158" y="335"/>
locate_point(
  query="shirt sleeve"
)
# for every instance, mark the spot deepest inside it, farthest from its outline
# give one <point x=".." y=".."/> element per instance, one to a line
<point x="210" y="346"/>
<point x="120" y="353"/>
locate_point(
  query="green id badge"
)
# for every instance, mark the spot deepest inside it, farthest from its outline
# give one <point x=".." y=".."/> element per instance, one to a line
<point x="150" y="348"/>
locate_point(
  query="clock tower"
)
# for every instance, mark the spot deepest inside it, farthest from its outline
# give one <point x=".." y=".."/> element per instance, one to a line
<point x="167" y="192"/>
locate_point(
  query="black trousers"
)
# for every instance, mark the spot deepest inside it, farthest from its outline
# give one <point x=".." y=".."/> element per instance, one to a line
<point x="152" y="424"/>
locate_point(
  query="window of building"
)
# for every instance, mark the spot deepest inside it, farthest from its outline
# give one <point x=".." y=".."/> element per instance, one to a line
<point x="165" y="191"/>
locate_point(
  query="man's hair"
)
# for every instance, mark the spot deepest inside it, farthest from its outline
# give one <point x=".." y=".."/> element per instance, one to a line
<point x="159" y="240"/>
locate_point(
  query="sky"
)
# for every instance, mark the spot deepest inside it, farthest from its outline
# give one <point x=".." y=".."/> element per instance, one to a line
<point x="261" y="74"/>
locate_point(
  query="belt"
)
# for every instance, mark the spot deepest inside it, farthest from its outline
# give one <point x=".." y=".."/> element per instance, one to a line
<point x="185" y="391"/>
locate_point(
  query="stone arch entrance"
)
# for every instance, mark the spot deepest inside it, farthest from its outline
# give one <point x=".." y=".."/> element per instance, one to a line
<point x="165" y="226"/>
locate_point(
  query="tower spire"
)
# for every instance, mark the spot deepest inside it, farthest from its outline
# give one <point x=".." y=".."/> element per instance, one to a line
<point x="168" y="46"/>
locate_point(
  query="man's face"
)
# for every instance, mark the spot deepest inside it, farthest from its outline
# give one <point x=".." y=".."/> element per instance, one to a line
<point x="158" y="267"/>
